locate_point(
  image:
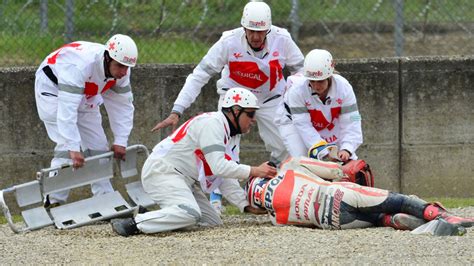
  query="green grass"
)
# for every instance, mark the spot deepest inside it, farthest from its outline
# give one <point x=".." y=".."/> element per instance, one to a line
<point x="151" y="49"/>
<point x="453" y="202"/>
<point x="182" y="31"/>
<point x="146" y="15"/>
<point x="232" y="210"/>
<point x="16" y="219"/>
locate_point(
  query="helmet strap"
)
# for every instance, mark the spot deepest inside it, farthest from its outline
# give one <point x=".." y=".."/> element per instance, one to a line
<point x="107" y="60"/>
<point x="236" y="119"/>
<point x="234" y="130"/>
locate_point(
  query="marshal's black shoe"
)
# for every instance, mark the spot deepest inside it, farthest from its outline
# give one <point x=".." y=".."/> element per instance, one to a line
<point x="125" y="227"/>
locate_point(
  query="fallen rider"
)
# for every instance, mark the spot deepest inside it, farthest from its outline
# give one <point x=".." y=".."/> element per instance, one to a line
<point x="302" y="194"/>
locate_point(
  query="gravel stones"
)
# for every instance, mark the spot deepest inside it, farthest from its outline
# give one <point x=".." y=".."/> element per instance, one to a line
<point x="242" y="239"/>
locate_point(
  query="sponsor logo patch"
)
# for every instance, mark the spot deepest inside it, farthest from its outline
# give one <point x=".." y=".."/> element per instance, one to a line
<point x="238" y="55"/>
<point x="257" y="24"/>
<point x="314" y="74"/>
<point x="129" y="60"/>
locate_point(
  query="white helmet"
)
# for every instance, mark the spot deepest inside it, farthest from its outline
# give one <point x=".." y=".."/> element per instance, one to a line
<point x="318" y="65"/>
<point x="122" y="49"/>
<point x="241" y="97"/>
<point x="257" y="16"/>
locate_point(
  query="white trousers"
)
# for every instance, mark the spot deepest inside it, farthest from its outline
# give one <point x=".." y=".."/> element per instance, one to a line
<point x="292" y="140"/>
<point x="181" y="200"/>
<point x="268" y="132"/>
<point x="93" y="138"/>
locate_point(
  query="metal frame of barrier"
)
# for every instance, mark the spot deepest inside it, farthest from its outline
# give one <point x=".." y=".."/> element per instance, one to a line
<point x="30" y="196"/>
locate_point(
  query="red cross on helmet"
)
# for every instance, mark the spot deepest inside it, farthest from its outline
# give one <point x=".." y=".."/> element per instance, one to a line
<point x="240" y="97"/>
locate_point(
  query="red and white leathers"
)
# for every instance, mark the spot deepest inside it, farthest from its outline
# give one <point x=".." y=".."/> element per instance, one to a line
<point x="299" y="197"/>
<point x="260" y="72"/>
<point x="70" y="109"/>
<point x="170" y="175"/>
<point x="304" y="120"/>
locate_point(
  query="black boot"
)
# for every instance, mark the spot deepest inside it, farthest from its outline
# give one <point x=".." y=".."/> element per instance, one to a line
<point x="125" y="227"/>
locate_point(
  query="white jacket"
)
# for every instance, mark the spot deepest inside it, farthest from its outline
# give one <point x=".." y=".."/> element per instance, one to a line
<point x="242" y="68"/>
<point x="82" y="86"/>
<point x="202" y="140"/>
<point x="336" y="121"/>
<point x="210" y="181"/>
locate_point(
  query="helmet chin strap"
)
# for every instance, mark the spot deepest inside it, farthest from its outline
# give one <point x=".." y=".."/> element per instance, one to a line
<point x="236" y="119"/>
<point x="107" y="60"/>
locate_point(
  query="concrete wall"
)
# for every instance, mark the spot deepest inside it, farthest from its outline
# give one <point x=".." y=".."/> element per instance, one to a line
<point x="418" y="121"/>
<point x="438" y="127"/>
